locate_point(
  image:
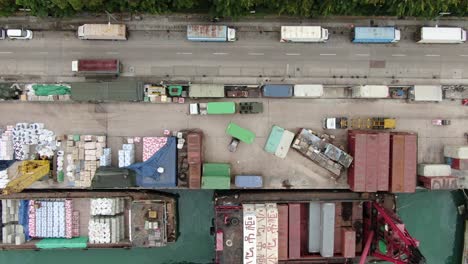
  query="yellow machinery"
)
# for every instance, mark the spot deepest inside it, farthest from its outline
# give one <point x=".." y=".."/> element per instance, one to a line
<point x="374" y="123"/>
<point x="29" y="171"/>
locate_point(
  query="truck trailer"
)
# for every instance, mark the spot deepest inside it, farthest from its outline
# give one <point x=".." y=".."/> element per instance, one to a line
<point x="445" y="35"/>
<point x="370" y="91"/>
<point x="376" y="35"/>
<point x="102" y="32"/>
<point x="426" y="93"/>
<point x="96" y="67"/>
<point x="303" y="34"/>
<point x="211" y="33"/>
<point x="206" y="91"/>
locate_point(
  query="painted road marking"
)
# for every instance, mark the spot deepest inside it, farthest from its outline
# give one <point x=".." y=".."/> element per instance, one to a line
<point x="112" y="52"/>
<point x="327" y="54"/>
<point x="5" y="52"/>
<point x="220" y="53"/>
<point x="184" y="53"/>
<point x="293" y="54"/>
<point x="362" y="54"/>
<point x="463" y="55"/>
<point x="432" y="55"/>
<point x="256" y="54"/>
<point x="398" y="55"/>
<point x="43" y="52"/>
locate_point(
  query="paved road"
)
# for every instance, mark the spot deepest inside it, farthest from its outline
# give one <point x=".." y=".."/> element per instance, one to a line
<point x="156" y="54"/>
<point x="137" y="119"/>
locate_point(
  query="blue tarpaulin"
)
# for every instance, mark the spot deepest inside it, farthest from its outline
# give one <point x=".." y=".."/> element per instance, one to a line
<point x="23" y="218"/>
<point x="166" y="158"/>
<point x="4" y="164"/>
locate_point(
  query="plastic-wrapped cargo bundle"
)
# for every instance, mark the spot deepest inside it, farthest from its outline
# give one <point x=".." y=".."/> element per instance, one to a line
<point x="107" y="206"/>
<point x="105" y="229"/>
<point x="126" y="155"/>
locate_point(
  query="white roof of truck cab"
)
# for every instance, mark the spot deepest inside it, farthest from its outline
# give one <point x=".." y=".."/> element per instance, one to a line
<point x="370" y="91"/>
<point x="308" y="90"/>
<point x="428" y="93"/>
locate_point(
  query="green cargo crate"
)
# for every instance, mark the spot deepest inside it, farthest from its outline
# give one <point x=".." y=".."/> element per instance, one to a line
<point x="216" y="182"/>
<point x="217" y="169"/>
<point x="274" y="139"/>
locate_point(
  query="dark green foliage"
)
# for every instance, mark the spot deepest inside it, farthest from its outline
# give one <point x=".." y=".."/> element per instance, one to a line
<point x="238" y="8"/>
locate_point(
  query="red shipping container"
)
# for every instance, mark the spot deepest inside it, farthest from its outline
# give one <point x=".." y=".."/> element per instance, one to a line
<point x="304" y="228"/>
<point x="283" y="231"/>
<point x="383" y="168"/>
<point x="348" y="243"/>
<point x="372" y="159"/>
<point x="357" y="170"/>
<point x="194" y="176"/>
<point x="294" y="231"/>
<point x="337" y="246"/>
<point x="460" y="164"/>
<point x="411" y="163"/>
<point x="397" y="163"/>
<point x="219" y="241"/>
<point x="439" y="183"/>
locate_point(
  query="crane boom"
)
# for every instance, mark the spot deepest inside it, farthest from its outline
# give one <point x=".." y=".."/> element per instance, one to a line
<point x="30" y="171"/>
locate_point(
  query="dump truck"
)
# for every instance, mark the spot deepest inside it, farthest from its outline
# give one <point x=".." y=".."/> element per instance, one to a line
<point x="211" y="33"/>
<point x="445" y="35"/>
<point x="96" y="67"/>
<point x="102" y="32"/>
<point x="376" y="35"/>
<point x="373" y="123"/>
<point x="303" y="34"/>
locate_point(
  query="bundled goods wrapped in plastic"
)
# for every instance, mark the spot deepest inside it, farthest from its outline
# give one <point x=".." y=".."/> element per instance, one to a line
<point x="107" y="206"/>
<point x="4" y="180"/>
<point x="50" y="218"/>
<point x="126" y="155"/>
<point x="6" y="145"/>
<point x="106" y="157"/>
<point x="26" y="135"/>
<point x="103" y="229"/>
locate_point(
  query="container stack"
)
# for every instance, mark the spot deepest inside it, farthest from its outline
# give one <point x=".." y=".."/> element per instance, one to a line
<point x="6" y="144"/>
<point x="436" y="177"/>
<point x="279" y="142"/>
<point x="12" y="232"/>
<point x="382" y="161"/>
<point x="83" y="157"/>
<point x="106" y="158"/>
<point x="26" y="135"/>
<point x="457" y="158"/>
<point x="126" y="155"/>
<point x="106" y="224"/>
<point x="50" y="218"/>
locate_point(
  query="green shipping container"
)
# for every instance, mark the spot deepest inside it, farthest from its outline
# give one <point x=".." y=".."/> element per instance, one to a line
<point x="216" y="176"/>
<point x="240" y="133"/>
<point x="274" y="139"/>
<point x="221" y="108"/>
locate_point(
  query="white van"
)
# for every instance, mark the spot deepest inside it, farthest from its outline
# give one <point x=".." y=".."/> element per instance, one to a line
<point x="19" y="34"/>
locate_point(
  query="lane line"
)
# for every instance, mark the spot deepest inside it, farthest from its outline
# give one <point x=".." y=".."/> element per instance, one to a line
<point x="327" y="54"/>
<point x="463" y="55"/>
<point x="184" y="53"/>
<point x="112" y="52"/>
<point x="43" y="52"/>
<point x="293" y="54"/>
<point x="5" y="52"/>
<point x="220" y="53"/>
<point x="398" y="55"/>
<point x="432" y="55"/>
<point x="362" y="54"/>
<point x="256" y="54"/>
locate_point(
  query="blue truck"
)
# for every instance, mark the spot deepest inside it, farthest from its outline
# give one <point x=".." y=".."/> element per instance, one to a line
<point x="376" y="35"/>
<point x="211" y="33"/>
<point x="249" y="181"/>
<point x="277" y="90"/>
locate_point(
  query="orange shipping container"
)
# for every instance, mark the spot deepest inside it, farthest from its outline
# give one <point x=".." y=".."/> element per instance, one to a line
<point x="403" y="163"/>
<point x="283" y="231"/>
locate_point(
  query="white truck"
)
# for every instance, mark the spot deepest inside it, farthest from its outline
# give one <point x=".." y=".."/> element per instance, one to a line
<point x="303" y="34"/>
<point x="442" y="35"/>
<point x="308" y="90"/>
<point x="425" y="93"/>
<point x="370" y="91"/>
<point x="102" y="32"/>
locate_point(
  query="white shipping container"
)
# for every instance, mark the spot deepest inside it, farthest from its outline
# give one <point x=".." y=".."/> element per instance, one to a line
<point x="303" y="34"/>
<point x="314" y="227"/>
<point x="249" y="234"/>
<point x="284" y="144"/>
<point x="327" y="235"/>
<point x="434" y="170"/>
<point x="457" y="152"/>
<point x="260" y="215"/>
<point x="448" y="35"/>
<point x="102" y="31"/>
<point x="427" y="93"/>
<point x="308" y="90"/>
<point x="370" y="91"/>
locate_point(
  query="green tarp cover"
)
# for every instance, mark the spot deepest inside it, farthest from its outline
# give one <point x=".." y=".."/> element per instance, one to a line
<point x="52" y="243"/>
<point x="274" y="139"/>
<point x="50" y="89"/>
<point x="217" y="169"/>
<point x="216" y="176"/>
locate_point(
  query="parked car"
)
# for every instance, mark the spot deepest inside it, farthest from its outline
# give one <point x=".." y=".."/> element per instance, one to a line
<point x="251" y="108"/>
<point x="232" y="147"/>
<point x="465" y="101"/>
<point x="2" y="34"/>
<point x="19" y="34"/>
